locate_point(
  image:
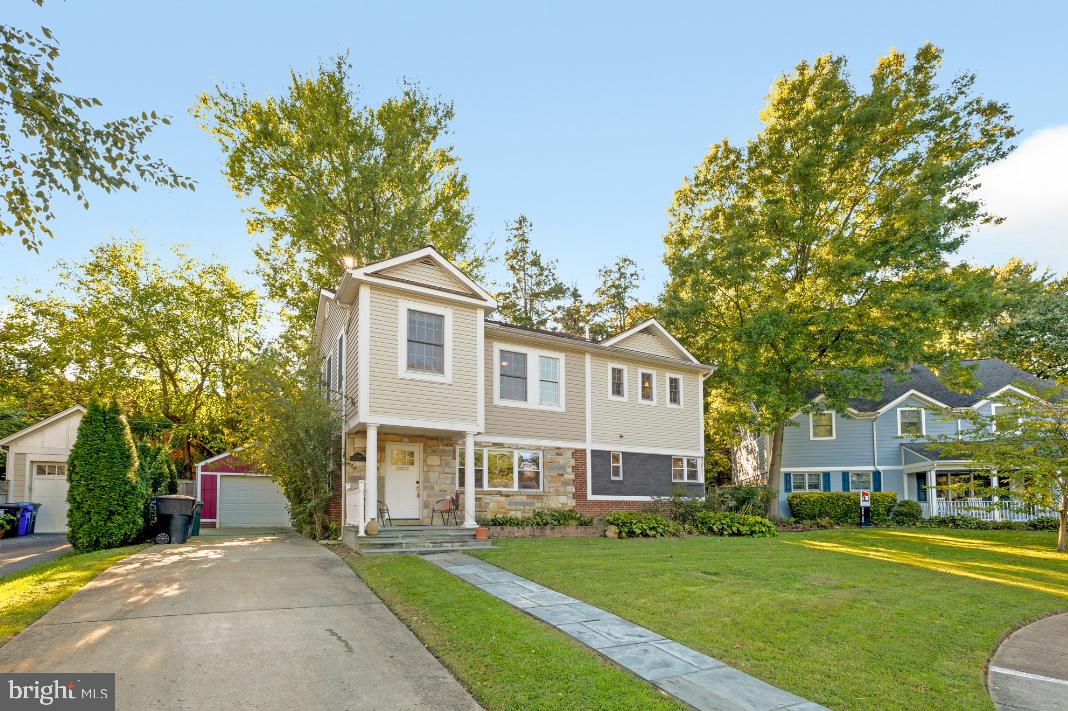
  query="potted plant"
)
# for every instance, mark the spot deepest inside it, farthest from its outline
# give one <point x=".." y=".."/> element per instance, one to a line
<point x="7" y="522"/>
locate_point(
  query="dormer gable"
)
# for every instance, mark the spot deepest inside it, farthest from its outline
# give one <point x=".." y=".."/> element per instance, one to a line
<point x="424" y="271"/>
<point x="650" y="337"/>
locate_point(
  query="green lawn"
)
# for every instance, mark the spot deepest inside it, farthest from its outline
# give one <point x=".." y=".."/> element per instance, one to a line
<point x="505" y="658"/>
<point x="876" y="619"/>
<point x="27" y="595"/>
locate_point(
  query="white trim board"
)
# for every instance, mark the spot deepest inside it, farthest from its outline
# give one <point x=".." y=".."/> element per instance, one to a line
<point x="6" y="441"/>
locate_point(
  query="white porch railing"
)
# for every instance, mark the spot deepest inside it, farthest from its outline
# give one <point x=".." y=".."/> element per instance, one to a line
<point x="986" y="510"/>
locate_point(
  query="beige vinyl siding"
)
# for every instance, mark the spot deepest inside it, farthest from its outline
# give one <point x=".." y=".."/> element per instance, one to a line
<point x="17" y="474"/>
<point x="634" y="424"/>
<point x="394" y="396"/>
<point x="647" y="342"/>
<point x="425" y="271"/>
<point x="569" y="425"/>
<point x="336" y="322"/>
<point x="352" y="371"/>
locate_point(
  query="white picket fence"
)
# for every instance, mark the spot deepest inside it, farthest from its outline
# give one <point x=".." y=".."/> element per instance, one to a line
<point x="986" y="510"/>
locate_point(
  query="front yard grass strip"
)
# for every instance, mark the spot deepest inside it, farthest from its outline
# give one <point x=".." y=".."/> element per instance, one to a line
<point x="26" y="595"/>
<point x="506" y="659"/>
<point x="849" y="618"/>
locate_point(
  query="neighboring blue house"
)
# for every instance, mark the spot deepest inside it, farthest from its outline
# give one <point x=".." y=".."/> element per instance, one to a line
<point x="878" y="444"/>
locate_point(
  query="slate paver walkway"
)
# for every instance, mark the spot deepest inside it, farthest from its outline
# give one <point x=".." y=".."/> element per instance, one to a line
<point x="688" y="675"/>
<point x="1029" y="670"/>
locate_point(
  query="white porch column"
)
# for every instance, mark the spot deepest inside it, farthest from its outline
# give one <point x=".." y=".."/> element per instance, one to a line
<point x="469" y="480"/>
<point x="371" y="476"/>
<point x="996" y="498"/>
<point x="932" y="493"/>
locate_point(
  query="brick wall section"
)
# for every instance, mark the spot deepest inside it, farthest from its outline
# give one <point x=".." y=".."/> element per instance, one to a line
<point x="597" y="509"/>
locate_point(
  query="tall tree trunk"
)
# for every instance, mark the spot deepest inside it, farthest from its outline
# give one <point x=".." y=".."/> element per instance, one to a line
<point x="774" y="472"/>
<point x="1062" y="531"/>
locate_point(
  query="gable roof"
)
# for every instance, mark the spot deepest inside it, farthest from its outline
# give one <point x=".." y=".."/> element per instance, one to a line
<point x="992" y="374"/>
<point x="384" y="273"/>
<point x="40" y="425"/>
<point x="654" y="327"/>
<point x="226" y="463"/>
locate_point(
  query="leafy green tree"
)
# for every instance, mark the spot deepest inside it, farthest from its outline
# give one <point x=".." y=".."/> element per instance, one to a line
<point x="165" y="339"/>
<point x="815" y="256"/>
<point x="48" y="146"/>
<point x="294" y="434"/>
<point x="335" y="181"/>
<point x="1025" y="443"/>
<point x="531" y="296"/>
<point x="617" y="294"/>
<point x="574" y="315"/>
<point x="105" y="498"/>
<point x="1031" y="331"/>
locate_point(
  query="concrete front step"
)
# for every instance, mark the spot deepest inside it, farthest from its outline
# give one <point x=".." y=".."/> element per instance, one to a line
<point x="426" y="550"/>
<point x="415" y="539"/>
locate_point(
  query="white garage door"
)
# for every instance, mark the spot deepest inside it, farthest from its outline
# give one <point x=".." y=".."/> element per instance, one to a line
<point x="48" y="487"/>
<point x="251" y="501"/>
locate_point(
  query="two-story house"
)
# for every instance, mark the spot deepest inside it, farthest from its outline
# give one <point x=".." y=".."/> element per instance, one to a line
<point x="437" y="398"/>
<point x="883" y="444"/>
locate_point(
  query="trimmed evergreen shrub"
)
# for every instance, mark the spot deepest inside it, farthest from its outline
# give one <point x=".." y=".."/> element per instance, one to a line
<point x="728" y="523"/>
<point x="840" y="506"/>
<point x="642" y="524"/>
<point x="106" y="497"/>
<point x="962" y="522"/>
<point x="553" y="518"/>
<point x="1044" y="523"/>
<point x="906" y="513"/>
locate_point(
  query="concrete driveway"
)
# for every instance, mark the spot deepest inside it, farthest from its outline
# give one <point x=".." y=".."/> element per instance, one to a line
<point x="20" y="553"/>
<point x="263" y="621"/>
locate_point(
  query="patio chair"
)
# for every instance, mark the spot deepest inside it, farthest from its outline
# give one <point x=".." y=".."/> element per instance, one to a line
<point x="383" y="514"/>
<point x="447" y="508"/>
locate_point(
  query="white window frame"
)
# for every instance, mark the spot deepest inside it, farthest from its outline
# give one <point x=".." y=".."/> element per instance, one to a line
<point x="871" y="481"/>
<point x="994" y="414"/>
<point x="923" y="421"/>
<point x="806" y="477"/>
<point x="652" y="379"/>
<point x="482" y="485"/>
<point x="698" y="469"/>
<point x="619" y="398"/>
<point x="613" y="466"/>
<point x="667" y="390"/>
<point x="534" y="355"/>
<point x="812" y="425"/>
<point x="403" y="307"/>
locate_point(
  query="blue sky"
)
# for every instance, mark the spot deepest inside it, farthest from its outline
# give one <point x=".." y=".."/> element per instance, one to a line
<point x="585" y="117"/>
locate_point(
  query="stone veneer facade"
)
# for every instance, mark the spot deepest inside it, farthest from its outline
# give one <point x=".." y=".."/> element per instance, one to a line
<point x="438" y="479"/>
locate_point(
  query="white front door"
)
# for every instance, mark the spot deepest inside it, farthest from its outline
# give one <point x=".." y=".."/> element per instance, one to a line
<point x="402" y="480"/>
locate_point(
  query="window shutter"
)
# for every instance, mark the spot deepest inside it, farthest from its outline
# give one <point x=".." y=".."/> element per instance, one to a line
<point x="921" y="487"/>
<point x="787" y="482"/>
<point x="845" y="481"/>
<point x="877" y="481"/>
<point x="826" y="481"/>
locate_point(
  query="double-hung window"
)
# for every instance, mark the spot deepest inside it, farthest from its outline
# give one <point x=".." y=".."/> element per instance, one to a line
<point x="527" y="377"/>
<point x="617" y="382"/>
<point x="860" y="481"/>
<point x="426" y="342"/>
<point x="1003" y="418"/>
<point x="821" y="425"/>
<point x="910" y="421"/>
<point x="341" y="364"/>
<point x="685" y="469"/>
<point x="502" y="469"/>
<point x="616" y="466"/>
<point x="647" y="381"/>
<point x="674" y="387"/>
<point x="807" y="481"/>
<point x="329" y="377"/>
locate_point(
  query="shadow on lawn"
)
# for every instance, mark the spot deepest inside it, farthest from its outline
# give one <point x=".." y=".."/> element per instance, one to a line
<point x="996" y="572"/>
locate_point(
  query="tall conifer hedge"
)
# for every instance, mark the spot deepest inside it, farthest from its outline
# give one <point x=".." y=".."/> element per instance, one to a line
<point x="106" y="497"/>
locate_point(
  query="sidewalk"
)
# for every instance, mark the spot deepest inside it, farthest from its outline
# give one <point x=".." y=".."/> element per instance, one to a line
<point x="692" y="677"/>
<point x="1030" y="669"/>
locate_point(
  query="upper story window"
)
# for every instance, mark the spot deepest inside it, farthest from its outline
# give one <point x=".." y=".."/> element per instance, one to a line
<point x="329" y="379"/>
<point x="821" y="425"/>
<point x="617" y="382"/>
<point x="616" y="466"/>
<point x="424" y="342"/>
<point x="1006" y="415"/>
<point x="685" y="469"/>
<point x="341" y="363"/>
<point x="526" y="377"/>
<point x="911" y="421"/>
<point x="647" y="381"/>
<point x="674" y="384"/>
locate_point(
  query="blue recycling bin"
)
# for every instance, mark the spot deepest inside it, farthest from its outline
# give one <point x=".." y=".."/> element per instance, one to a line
<point x="23" y="513"/>
<point x="34" y="508"/>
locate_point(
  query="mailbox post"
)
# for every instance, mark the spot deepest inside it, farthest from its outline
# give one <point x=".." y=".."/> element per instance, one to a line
<point x="865" y="509"/>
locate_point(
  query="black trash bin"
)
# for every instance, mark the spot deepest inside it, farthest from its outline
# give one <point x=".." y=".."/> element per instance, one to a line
<point x="175" y="514"/>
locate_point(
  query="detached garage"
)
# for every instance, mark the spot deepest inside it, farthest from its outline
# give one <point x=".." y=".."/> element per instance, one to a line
<point x="236" y="496"/>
